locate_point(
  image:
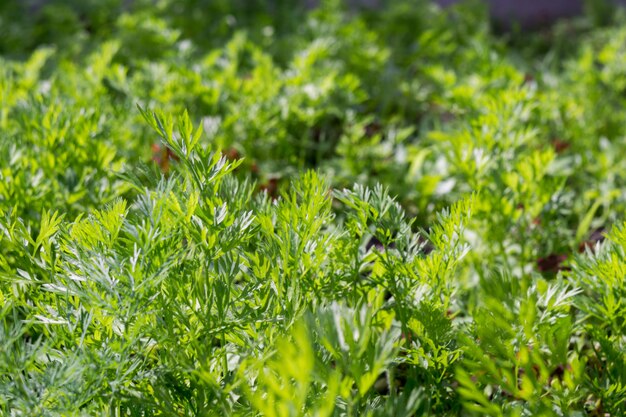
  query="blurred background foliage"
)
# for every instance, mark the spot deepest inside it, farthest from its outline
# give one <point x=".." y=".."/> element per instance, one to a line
<point x="427" y="101"/>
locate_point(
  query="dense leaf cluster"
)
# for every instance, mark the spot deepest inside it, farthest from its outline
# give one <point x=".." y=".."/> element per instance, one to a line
<point x="216" y="208"/>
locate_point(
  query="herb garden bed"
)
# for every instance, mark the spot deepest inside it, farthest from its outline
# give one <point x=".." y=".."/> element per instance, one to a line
<point x="211" y="208"/>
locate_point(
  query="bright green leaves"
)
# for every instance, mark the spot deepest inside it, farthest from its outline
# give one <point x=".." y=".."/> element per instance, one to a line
<point x="204" y="285"/>
<point x="184" y="143"/>
<point x="517" y="355"/>
<point x="418" y="278"/>
<point x="56" y="153"/>
<point x="600" y="274"/>
<point x="199" y="288"/>
<point x="49" y="226"/>
<point x="372" y="207"/>
<point x="102" y="227"/>
<point x="360" y="348"/>
<point x="284" y="381"/>
<point x="204" y="166"/>
<point x="297" y="232"/>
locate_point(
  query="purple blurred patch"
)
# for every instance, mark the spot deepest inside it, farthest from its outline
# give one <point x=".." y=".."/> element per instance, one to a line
<point x="529" y="12"/>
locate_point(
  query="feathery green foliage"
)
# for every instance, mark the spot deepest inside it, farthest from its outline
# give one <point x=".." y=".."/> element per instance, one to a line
<point x="214" y="208"/>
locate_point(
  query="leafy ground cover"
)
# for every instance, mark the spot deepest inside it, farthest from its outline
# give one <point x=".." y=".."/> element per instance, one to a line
<point x="214" y="208"/>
